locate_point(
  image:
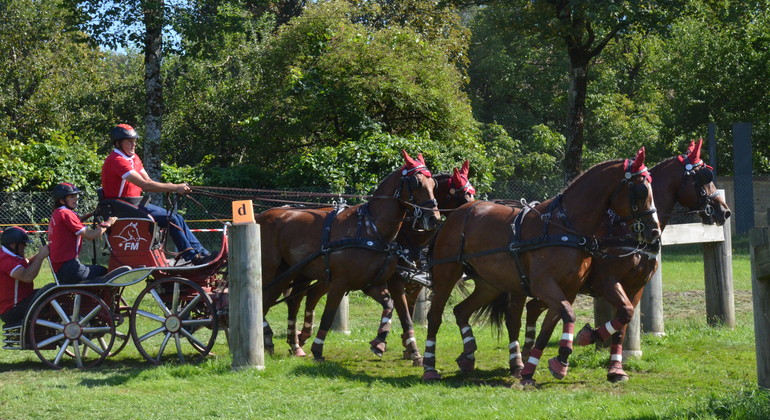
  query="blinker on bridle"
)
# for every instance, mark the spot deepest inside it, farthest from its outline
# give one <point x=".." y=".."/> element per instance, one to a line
<point x="701" y="178"/>
<point x="409" y="177"/>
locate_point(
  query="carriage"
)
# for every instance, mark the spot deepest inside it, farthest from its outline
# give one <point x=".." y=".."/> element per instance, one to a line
<point x="177" y="315"/>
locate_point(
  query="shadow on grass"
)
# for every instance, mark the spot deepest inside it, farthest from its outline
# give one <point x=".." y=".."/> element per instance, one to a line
<point x="481" y="378"/>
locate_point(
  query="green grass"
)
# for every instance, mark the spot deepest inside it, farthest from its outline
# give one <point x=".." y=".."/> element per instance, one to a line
<point x="694" y="371"/>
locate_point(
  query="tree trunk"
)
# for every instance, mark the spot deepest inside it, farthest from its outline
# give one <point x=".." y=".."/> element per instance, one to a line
<point x="153" y="49"/>
<point x="578" y="86"/>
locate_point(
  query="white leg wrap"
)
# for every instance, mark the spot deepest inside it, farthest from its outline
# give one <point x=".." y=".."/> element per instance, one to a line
<point x="610" y="328"/>
<point x="513" y="345"/>
<point x="308" y="325"/>
<point x="385" y="321"/>
<point x="467" y="339"/>
<point x="428" y="355"/>
<point x="616" y="357"/>
<point x="265" y="324"/>
<point x="465" y="329"/>
<point x="533" y="360"/>
<point x="566" y="336"/>
<point x="530" y="328"/>
<point x="514" y="356"/>
<point x="410" y="340"/>
<point x="430" y="343"/>
<point x="318" y="341"/>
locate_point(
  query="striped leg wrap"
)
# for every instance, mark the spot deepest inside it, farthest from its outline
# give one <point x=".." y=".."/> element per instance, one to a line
<point x="616" y="355"/>
<point x="469" y="341"/>
<point x="318" y="344"/>
<point x="529" y="367"/>
<point x="611" y="327"/>
<point x="565" y="344"/>
<point x="429" y="358"/>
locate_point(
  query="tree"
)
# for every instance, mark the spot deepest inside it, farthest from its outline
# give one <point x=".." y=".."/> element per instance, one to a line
<point x="715" y="70"/>
<point x="130" y="23"/>
<point x="327" y="81"/>
<point x="583" y="29"/>
<point x="44" y="69"/>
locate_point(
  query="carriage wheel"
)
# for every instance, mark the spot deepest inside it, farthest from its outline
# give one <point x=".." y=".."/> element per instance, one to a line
<point x="122" y="332"/>
<point x="173" y="316"/>
<point x="72" y="323"/>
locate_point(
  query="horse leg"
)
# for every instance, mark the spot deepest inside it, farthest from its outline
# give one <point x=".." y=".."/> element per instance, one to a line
<point x="397" y="288"/>
<point x="333" y="300"/>
<point x="445" y="276"/>
<point x="482" y="295"/>
<point x="535" y="307"/>
<point x="513" y="325"/>
<point x="382" y="296"/>
<point x="293" y="303"/>
<point x="559" y="308"/>
<point x="313" y="296"/>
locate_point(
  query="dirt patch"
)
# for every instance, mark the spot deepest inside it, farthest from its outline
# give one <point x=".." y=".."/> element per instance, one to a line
<point x="691" y="303"/>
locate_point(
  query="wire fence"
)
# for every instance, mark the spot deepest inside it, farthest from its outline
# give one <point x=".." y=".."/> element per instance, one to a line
<point x="205" y="214"/>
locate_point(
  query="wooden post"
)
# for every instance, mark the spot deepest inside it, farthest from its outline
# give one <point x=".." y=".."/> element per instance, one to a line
<point x="421" y="306"/>
<point x="651" y="304"/>
<point x="341" y="318"/>
<point x="718" y="270"/>
<point x="760" y="287"/>
<point x="245" y="287"/>
<point x="632" y="344"/>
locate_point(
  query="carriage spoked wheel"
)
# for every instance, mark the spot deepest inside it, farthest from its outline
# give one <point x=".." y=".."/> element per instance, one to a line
<point x="72" y="328"/>
<point x="175" y="317"/>
<point x="122" y="332"/>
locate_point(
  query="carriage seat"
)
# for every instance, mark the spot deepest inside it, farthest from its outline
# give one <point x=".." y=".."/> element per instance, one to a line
<point x="121" y="207"/>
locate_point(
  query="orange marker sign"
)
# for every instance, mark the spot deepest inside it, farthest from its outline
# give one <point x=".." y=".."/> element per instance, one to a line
<point x="243" y="212"/>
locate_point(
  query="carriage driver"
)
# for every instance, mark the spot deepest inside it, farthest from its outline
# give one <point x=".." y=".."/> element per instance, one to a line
<point x="66" y="233"/>
<point x="17" y="274"/>
<point x="123" y="176"/>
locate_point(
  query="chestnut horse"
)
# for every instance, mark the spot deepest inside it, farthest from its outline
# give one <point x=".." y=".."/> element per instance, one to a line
<point x="621" y="273"/>
<point x="351" y="248"/>
<point x="542" y="251"/>
<point x="451" y="192"/>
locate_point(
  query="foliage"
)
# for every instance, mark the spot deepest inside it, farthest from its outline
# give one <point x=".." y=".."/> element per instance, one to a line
<point x="50" y="79"/>
<point x="327" y="81"/>
<point x="715" y="70"/>
<point x="38" y="166"/>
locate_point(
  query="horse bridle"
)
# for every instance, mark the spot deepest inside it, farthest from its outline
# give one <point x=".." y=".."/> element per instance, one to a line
<point x="409" y="177"/>
<point x="700" y="178"/>
<point x="637" y="192"/>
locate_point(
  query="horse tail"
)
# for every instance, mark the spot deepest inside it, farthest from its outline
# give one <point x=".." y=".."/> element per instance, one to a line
<point x="494" y="312"/>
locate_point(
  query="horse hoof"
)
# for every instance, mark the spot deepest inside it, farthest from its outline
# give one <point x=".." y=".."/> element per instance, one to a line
<point x="516" y="371"/>
<point x="270" y="350"/>
<point x="431" y="375"/>
<point x="417" y="361"/>
<point x="378" y="347"/>
<point x="527" y="382"/>
<point x="557" y="368"/>
<point x="302" y="338"/>
<point x="617" y="375"/>
<point x="298" y="352"/>
<point x="584" y="336"/>
<point x="319" y="359"/>
<point x="466" y="364"/>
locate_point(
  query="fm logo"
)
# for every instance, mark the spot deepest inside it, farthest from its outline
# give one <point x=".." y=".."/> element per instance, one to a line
<point x="131" y="238"/>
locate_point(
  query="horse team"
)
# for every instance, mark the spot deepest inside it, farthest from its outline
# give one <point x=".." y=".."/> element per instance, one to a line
<point x="599" y="236"/>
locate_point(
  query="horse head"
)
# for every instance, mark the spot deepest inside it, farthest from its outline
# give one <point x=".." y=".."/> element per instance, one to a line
<point x="458" y="187"/>
<point x="698" y="192"/>
<point x="417" y="186"/>
<point x="633" y="202"/>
